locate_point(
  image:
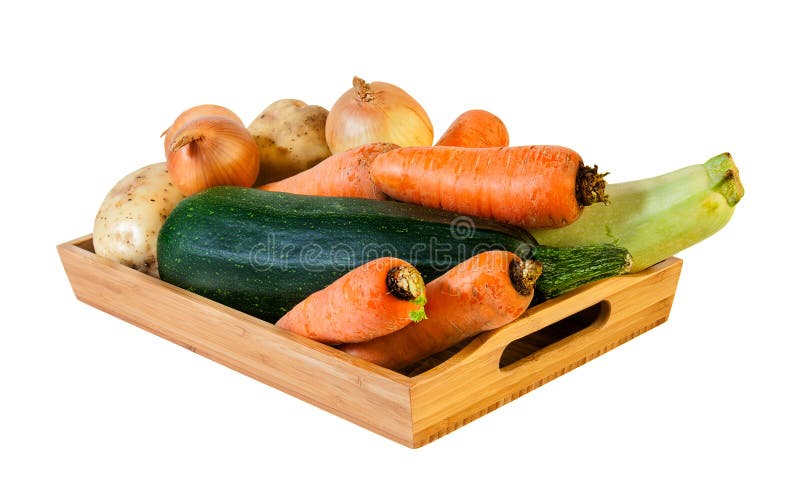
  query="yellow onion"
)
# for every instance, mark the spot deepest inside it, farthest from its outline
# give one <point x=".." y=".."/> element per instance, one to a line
<point x="212" y="151"/>
<point x="376" y="112"/>
<point x="194" y="112"/>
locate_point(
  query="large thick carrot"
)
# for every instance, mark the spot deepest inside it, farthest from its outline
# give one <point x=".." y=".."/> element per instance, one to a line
<point x="345" y="174"/>
<point x="371" y="300"/>
<point x="475" y="129"/>
<point x="482" y="293"/>
<point x="539" y="186"/>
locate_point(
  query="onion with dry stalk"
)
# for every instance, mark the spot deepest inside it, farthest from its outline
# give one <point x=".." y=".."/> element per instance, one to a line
<point x="376" y="112"/>
<point x="212" y="151"/>
<point x="195" y="112"/>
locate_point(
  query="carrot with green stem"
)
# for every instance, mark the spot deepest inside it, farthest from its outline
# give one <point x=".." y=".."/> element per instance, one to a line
<point x="481" y="293"/>
<point x="345" y="174"/>
<point x="371" y="300"/>
<point x="475" y="129"/>
<point x="538" y="186"/>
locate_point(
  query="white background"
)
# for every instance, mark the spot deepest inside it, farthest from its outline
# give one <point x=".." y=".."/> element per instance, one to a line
<point x="708" y="398"/>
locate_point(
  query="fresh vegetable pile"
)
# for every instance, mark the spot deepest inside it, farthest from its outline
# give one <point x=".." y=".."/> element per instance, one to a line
<point x="351" y="228"/>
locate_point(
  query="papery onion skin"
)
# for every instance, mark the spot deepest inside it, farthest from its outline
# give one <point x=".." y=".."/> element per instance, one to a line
<point x="376" y="112"/>
<point x="195" y="112"/>
<point x="212" y="151"/>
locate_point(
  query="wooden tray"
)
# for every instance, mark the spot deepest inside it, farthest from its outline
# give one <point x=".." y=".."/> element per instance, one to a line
<point x="433" y="397"/>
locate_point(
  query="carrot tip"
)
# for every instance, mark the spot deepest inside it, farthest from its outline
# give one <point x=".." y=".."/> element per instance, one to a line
<point x="590" y="187"/>
<point x="405" y="283"/>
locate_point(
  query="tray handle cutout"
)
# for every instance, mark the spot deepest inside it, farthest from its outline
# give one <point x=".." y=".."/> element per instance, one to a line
<point x="555" y="337"/>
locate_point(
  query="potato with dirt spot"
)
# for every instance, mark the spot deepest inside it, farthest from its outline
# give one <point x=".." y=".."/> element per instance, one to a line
<point x="291" y="138"/>
<point x="126" y="226"/>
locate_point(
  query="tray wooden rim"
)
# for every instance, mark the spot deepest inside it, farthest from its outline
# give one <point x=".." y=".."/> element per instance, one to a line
<point x="411" y="410"/>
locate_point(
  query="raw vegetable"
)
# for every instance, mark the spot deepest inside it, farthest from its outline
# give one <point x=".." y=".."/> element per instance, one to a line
<point x="540" y="186"/>
<point x="344" y="174"/>
<point x="291" y="138"/>
<point x="371" y="300"/>
<point x="195" y="112"/>
<point x="564" y="271"/>
<point x="127" y="224"/>
<point x="658" y="217"/>
<point x="263" y="252"/>
<point x="212" y="150"/>
<point x="376" y="112"/>
<point x="475" y="129"/>
<point x="482" y="293"/>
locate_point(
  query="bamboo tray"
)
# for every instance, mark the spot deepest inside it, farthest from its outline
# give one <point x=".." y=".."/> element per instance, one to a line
<point x="421" y="404"/>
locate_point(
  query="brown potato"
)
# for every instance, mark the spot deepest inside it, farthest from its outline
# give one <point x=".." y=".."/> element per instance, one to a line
<point x="291" y="138"/>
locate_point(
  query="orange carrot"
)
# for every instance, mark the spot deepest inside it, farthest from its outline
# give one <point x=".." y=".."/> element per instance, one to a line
<point x="482" y="293"/>
<point x="539" y="186"/>
<point x="345" y="174"/>
<point x="377" y="298"/>
<point x="475" y="129"/>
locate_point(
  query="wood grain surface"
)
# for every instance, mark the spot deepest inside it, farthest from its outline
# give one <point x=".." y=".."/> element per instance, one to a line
<point x="433" y="398"/>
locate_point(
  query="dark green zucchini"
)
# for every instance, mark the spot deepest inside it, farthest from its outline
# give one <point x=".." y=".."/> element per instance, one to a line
<point x="263" y="252"/>
<point x="564" y="269"/>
